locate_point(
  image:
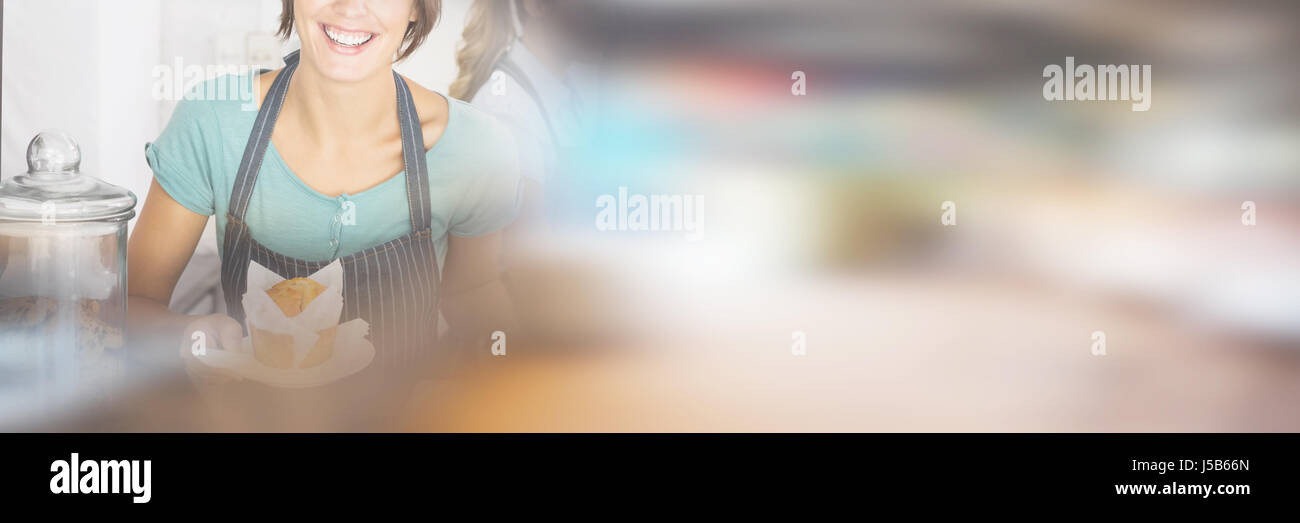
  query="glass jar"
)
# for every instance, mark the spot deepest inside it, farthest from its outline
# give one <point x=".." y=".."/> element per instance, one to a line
<point x="62" y="276"/>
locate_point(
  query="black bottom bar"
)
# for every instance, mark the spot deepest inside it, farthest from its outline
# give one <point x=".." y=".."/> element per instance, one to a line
<point x="321" y="471"/>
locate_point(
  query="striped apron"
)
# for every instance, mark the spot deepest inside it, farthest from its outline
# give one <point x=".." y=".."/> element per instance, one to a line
<point x="393" y="286"/>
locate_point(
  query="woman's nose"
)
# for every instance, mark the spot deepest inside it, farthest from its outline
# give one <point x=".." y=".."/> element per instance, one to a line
<point x="350" y="7"/>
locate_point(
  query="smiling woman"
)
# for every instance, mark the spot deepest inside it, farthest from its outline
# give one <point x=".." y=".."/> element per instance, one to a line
<point x="345" y="162"/>
<point x="421" y="16"/>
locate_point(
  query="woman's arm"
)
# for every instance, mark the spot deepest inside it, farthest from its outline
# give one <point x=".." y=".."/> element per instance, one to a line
<point x="474" y="300"/>
<point x="159" y="249"/>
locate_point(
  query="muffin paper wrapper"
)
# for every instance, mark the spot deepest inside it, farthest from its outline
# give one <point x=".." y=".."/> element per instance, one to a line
<point x="261" y="312"/>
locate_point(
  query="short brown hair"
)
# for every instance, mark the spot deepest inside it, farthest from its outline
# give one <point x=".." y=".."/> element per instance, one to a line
<point x="427" y="14"/>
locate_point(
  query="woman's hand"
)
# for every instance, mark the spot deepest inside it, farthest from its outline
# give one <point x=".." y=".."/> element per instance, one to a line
<point x="205" y="333"/>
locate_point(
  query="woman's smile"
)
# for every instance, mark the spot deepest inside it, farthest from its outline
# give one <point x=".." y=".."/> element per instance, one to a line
<point x="346" y="41"/>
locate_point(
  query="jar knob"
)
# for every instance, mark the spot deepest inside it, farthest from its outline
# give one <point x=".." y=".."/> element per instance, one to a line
<point x="53" y="152"/>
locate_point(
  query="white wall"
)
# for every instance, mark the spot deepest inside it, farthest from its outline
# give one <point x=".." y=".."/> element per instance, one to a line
<point x="78" y="66"/>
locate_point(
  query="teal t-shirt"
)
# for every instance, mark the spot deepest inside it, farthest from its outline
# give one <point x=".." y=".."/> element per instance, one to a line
<point x="474" y="181"/>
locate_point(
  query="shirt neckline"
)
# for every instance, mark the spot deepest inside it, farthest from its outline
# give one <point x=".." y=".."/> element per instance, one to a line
<point x="399" y="177"/>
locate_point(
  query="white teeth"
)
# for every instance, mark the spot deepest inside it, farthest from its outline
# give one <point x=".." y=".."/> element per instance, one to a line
<point x="347" y="38"/>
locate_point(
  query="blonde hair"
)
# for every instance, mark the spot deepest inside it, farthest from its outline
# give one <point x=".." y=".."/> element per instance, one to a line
<point x="488" y="33"/>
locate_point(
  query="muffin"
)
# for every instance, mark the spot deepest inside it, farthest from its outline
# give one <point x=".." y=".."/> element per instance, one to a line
<point x="276" y="349"/>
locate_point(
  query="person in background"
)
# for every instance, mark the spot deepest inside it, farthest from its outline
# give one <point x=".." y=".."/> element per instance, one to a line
<point x="517" y="63"/>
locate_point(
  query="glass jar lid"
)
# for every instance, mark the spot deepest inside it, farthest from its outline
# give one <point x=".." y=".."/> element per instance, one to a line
<point x="54" y="190"/>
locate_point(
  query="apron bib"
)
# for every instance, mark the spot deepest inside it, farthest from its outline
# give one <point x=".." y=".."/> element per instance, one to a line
<point x="393" y="286"/>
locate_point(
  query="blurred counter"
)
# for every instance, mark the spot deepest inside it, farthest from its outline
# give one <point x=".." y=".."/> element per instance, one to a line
<point x="926" y="353"/>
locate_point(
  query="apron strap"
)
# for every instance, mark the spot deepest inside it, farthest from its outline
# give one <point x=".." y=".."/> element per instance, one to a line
<point x="417" y="171"/>
<point x="258" y="140"/>
<point x="413" y="158"/>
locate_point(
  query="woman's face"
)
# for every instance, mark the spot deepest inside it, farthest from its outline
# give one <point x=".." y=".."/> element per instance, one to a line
<point x="349" y="40"/>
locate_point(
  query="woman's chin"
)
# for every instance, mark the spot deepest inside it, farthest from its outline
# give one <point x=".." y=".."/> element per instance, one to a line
<point x="346" y="74"/>
<point x="348" y="68"/>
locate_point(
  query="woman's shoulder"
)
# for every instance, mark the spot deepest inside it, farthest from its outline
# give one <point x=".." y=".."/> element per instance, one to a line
<point x="464" y="130"/>
<point x="191" y="158"/>
<point x="433" y="112"/>
<point x="210" y="112"/>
